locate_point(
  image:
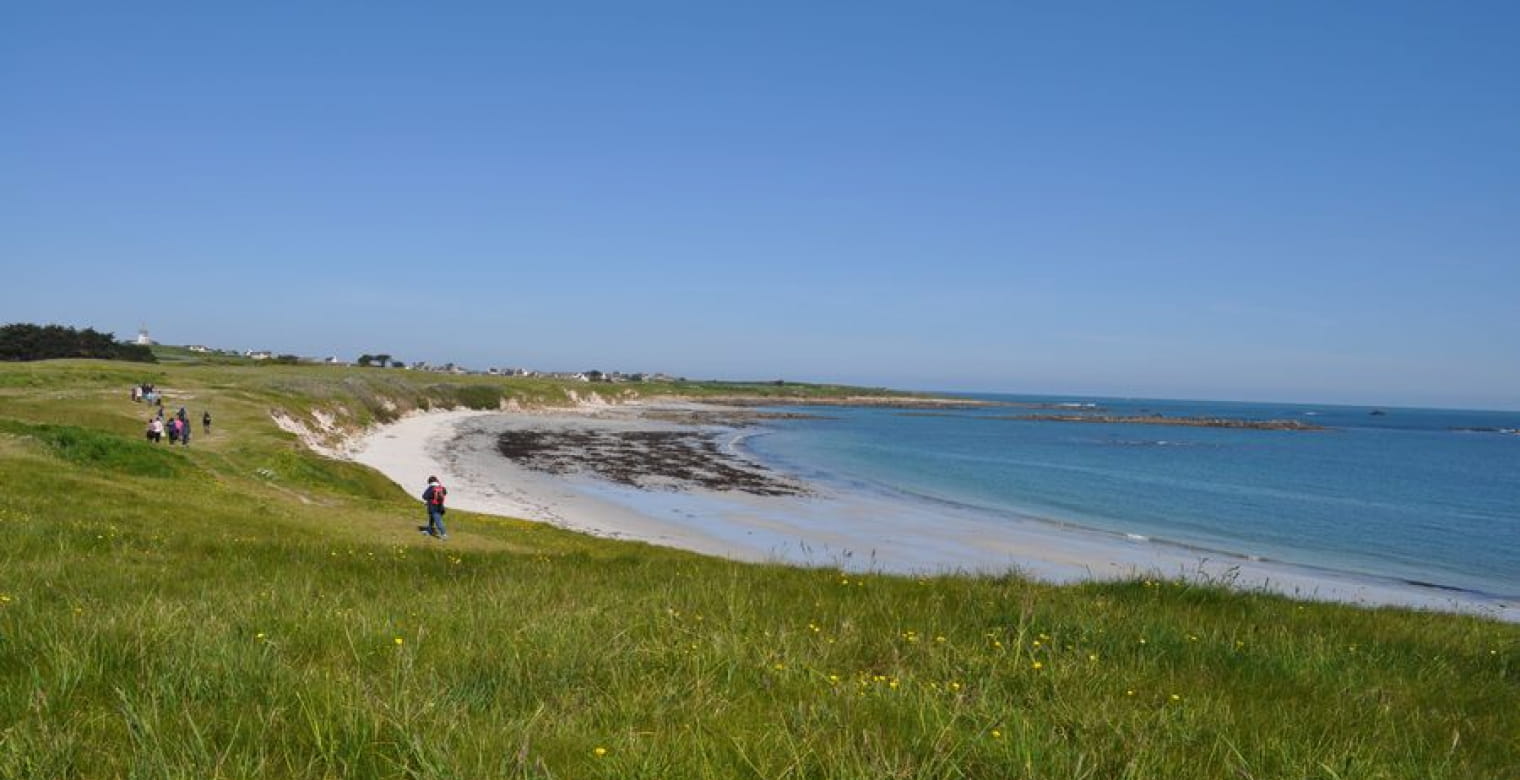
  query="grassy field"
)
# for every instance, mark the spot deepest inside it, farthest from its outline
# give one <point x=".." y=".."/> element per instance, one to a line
<point x="244" y="608"/>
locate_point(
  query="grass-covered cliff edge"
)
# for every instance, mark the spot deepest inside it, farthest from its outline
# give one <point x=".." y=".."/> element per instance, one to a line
<point x="248" y="608"/>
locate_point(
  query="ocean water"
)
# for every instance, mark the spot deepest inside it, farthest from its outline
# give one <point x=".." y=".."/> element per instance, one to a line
<point x="1405" y="495"/>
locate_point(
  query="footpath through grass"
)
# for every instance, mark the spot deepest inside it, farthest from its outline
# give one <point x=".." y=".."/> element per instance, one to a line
<point x="243" y="608"/>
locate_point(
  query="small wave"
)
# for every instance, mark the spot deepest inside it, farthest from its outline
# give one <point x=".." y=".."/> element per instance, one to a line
<point x="1149" y="443"/>
<point x="734" y="445"/>
<point x="1137" y="537"/>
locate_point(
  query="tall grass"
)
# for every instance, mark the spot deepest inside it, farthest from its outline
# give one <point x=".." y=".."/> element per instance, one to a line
<point x="262" y="612"/>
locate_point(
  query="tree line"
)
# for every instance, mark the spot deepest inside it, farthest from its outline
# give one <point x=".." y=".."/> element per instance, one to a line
<point x="20" y="341"/>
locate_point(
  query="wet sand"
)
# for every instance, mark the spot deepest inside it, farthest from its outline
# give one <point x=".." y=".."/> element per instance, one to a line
<point x="676" y="475"/>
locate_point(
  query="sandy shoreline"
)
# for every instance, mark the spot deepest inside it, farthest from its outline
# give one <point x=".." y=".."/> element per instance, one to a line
<point x="823" y="526"/>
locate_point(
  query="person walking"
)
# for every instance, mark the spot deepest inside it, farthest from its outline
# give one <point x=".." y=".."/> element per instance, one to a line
<point x="433" y="497"/>
<point x="156" y="430"/>
<point x="206" y="422"/>
<point x="173" y="430"/>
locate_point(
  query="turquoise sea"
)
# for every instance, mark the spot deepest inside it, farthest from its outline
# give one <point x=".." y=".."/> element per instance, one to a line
<point x="1419" y="495"/>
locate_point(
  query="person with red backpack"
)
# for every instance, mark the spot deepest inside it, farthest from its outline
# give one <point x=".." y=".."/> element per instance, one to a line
<point x="433" y="497"/>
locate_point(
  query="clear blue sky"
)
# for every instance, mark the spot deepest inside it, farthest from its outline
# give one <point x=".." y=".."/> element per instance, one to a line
<point x="1296" y="201"/>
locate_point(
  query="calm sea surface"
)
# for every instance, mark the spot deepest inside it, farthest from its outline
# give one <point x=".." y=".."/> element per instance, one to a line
<point x="1404" y="494"/>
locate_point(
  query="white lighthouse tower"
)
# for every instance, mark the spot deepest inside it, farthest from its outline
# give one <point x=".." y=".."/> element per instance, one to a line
<point x="142" y="336"/>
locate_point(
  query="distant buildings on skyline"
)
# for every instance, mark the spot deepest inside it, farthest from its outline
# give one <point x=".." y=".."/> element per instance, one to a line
<point x="446" y="368"/>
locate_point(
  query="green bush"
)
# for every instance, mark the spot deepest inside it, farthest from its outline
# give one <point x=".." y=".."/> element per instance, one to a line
<point x="482" y="397"/>
<point x="101" y="450"/>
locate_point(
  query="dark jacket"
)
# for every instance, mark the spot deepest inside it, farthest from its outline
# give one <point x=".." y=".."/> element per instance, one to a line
<point x="434" y="496"/>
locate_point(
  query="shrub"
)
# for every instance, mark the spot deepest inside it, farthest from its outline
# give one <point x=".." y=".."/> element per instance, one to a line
<point x="478" y="396"/>
<point x="101" y="450"/>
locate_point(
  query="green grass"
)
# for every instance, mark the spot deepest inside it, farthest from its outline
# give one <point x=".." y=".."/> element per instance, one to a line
<point x="94" y="449"/>
<point x="243" y="608"/>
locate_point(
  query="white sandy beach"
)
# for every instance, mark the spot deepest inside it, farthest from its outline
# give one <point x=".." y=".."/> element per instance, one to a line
<point x="828" y="527"/>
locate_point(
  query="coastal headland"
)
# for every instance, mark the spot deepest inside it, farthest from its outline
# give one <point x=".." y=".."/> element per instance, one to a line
<point x="260" y="604"/>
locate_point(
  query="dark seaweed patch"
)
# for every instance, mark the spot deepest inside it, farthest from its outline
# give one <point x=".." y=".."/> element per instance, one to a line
<point x="642" y="459"/>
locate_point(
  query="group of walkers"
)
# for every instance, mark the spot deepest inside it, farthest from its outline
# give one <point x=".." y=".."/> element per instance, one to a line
<point x="177" y="427"/>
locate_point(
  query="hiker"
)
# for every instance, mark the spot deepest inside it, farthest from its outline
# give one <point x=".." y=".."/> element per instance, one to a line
<point x="206" y="422"/>
<point x="173" y="430"/>
<point x="184" y="433"/>
<point x="183" y="418"/>
<point x="156" y="429"/>
<point x="433" y="496"/>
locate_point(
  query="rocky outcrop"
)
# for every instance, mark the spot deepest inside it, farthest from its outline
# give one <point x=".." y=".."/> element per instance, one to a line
<point x="1192" y="422"/>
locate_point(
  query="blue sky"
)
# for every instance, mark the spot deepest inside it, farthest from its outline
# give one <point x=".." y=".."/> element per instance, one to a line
<point x="1290" y="201"/>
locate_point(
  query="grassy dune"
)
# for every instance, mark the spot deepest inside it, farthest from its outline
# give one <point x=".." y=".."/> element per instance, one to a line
<point x="244" y="608"/>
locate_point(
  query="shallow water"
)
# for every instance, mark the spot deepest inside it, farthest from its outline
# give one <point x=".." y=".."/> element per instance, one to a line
<point x="1402" y="495"/>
